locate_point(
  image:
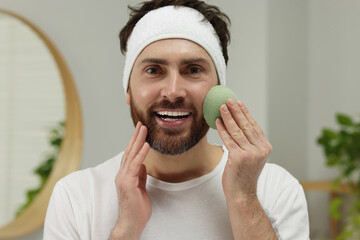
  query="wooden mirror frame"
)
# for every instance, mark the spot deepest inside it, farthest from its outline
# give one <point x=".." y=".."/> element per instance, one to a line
<point x="68" y="160"/>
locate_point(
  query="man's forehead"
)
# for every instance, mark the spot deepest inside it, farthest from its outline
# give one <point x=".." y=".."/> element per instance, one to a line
<point x="183" y="50"/>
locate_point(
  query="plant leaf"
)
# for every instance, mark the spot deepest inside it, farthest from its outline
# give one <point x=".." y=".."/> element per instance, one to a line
<point x="349" y="170"/>
<point x="332" y="161"/>
<point x="329" y="133"/>
<point x="344" y="119"/>
<point x="356" y="220"/>
<point x="345" y="235"/>
<point x="335" y="208"/>
<point x="336" y="183"/>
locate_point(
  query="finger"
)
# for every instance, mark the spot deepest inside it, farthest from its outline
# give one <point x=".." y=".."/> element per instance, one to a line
<point x="138" y="144"/>
<point x="132" y="139"/>
<point x="224" y="135"/>
<point x="242" y="121"/>
<point x="136" y="164"/>
<point x="233" y="129"/>
<point x="251" y="120"/>
<point x="130" y="144"/>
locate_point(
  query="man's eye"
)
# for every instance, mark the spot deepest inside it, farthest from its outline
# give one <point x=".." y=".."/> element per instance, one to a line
<point x="194" y="70"/>
<point x="152" y="70"/>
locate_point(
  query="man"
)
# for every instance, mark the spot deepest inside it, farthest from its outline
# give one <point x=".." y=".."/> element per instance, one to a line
<point x="170" y="183"/>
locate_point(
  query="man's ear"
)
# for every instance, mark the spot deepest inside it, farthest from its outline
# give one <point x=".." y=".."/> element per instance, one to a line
<point x="127" y="98"/>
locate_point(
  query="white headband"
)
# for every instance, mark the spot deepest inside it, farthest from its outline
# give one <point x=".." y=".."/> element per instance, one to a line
<point x="173" y="22"/>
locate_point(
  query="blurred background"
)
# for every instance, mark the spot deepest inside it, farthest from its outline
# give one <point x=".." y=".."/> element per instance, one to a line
<point x="295" y="64"/>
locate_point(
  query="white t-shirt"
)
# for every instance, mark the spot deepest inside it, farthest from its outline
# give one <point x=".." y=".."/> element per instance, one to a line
<point x="84" y="205"/>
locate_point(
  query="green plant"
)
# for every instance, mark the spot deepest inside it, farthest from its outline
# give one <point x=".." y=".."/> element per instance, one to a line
<point x="43" y="170"/>
<point x="342" y="150"/>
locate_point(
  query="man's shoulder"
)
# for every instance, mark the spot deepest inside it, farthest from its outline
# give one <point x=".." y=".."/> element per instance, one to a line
<point x="103" y="172"/>
<point x="276" y="174"/>
<point x="276" y="185"/>
<point x="275" y="181"/>
<point x="84" y="201"/>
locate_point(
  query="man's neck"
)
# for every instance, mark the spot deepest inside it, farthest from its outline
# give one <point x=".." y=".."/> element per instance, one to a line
<point x="197" y="161"/>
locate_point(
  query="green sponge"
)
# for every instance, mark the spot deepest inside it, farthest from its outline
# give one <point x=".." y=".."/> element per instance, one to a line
<point x="215" y="98"/>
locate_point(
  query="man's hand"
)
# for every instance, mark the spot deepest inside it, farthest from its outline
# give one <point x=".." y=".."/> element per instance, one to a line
<point x="133" y="201"/>
<point x="248" y="150"/>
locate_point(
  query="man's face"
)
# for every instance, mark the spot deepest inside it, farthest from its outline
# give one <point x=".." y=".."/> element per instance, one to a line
<point x="168" y="84"/>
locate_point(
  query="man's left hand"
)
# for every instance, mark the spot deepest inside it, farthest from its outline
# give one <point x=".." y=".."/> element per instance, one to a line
<point x="248" y="150"/>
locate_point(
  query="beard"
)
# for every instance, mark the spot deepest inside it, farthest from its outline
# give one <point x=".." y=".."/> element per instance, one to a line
<point x="170" y="141"/>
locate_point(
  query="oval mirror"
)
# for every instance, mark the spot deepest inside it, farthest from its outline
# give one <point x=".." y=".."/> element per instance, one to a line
<point x="37" y="96"/>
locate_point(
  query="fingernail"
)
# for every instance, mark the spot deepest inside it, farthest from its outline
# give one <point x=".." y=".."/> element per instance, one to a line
<point x="231" y="102"/>
<point x="224" y="108"/>
<point x="242" y="105"/>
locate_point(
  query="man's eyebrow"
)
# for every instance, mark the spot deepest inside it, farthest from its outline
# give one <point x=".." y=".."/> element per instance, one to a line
<point x="154" y="60"/>
<point x="196" y="60"/>
<point x="185" y="61"/>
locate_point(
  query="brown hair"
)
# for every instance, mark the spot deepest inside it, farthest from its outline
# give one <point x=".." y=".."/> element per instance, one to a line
<point x="219" y="20"/>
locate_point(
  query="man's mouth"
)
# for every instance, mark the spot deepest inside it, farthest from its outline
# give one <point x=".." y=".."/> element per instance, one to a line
<point x="172" y="116"/>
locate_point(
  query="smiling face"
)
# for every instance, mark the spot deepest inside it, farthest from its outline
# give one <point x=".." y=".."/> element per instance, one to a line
<point x="168" y="84"/>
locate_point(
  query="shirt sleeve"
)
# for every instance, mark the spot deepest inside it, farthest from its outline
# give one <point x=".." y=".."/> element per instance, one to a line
<point x="289" y="214"/>
<point x="60" y="222"/>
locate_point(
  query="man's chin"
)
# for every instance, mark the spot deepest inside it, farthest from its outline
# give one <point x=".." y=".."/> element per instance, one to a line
<point x="170" y="149"/>
<point x="173" y="141"/>
<point x="169" y="141"/>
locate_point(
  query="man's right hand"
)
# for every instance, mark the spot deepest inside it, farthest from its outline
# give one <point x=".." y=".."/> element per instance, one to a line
<point x="133" y="201"/>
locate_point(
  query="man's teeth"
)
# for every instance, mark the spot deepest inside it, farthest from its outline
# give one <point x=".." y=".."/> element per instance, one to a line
<point x="170" y="119"/>
<point x="172" y="114"/>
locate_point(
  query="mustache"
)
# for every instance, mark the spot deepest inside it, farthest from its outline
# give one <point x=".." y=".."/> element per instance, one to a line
<point x="179" y="103"/>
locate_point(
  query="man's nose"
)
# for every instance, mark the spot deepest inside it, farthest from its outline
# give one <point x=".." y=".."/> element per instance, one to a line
<point x="174" y="87"/>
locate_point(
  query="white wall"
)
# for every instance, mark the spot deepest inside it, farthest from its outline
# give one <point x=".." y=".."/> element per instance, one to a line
<point x="313" y="73"/>
<point x="288" y="84"/>
<point x="334" y="73"/>
<point x="334" y="82"/>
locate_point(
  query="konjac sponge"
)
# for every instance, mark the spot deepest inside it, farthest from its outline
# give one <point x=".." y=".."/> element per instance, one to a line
<point x="215" y="98"/>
